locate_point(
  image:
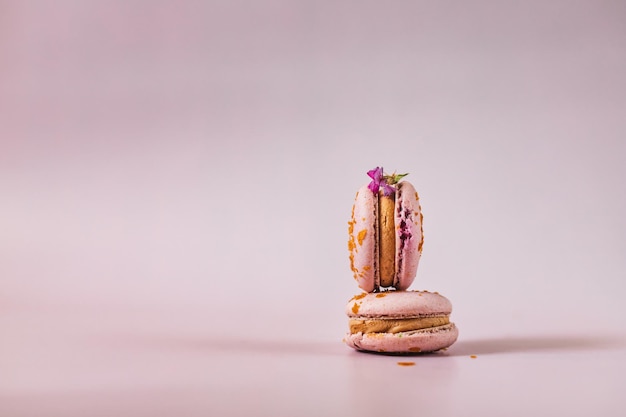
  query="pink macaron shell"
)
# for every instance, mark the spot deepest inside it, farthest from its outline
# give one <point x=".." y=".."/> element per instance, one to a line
<point x="398" y="304"/>
<point x="408" y="223"/>
<point x="418" y="341"/>
<point x="362" y="240"/>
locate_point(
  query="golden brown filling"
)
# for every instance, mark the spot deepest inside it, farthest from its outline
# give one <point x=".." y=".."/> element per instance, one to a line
<point x="395" y="325"/>
<point x="387" y="239"/>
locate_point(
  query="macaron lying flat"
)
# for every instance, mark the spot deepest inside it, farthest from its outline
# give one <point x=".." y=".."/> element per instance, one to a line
<point x="400" y="322"/>
<point x="385" y="237"/>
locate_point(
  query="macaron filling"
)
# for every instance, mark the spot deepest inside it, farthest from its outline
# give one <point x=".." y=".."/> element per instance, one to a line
<point x="386" y="240"/>
<point x="377" y="325"/>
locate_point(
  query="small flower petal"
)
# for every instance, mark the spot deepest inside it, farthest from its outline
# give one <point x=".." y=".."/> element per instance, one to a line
<point x="388" y="189"/>
<point x="376" y="174"/>
<point x="377" y="177"/>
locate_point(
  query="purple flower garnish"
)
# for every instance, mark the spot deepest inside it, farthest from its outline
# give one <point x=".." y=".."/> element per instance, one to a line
<point x="388" y="189"/>
<point x="377" y="178"/>
<point x="384" y="181"/>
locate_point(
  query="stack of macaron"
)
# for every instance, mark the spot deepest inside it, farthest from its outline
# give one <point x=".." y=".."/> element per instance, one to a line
<point x="385" y="243"/>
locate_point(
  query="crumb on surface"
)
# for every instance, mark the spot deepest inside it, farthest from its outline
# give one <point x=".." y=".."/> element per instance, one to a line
<point x="473" y="356"/>
<point x="406" y="363"/>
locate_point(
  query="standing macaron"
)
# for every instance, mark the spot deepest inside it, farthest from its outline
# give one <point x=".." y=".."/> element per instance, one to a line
<point x="385" y="233"/>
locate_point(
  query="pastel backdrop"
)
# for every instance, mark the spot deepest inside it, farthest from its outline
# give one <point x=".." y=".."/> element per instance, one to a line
<point x="182" y="171"/>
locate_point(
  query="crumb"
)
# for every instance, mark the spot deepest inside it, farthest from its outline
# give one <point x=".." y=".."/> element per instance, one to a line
<point x="473" y="356"/>
<point x="361" y="236"/>
<point x="380" y="295"/>
<point x="359" y="296"/>
<point x="406" y="363"/>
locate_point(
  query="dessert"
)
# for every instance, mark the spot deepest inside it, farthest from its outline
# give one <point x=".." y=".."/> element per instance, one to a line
<point x="385" y="233"/>
<point x="400" y="322"/>
<point x="385" y="244"/>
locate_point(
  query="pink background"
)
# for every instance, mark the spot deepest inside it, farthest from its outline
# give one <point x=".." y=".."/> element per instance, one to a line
<point x="176" y="180"/>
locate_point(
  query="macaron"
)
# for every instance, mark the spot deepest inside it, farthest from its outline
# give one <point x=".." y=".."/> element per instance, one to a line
<point x="385" y="235"/>
<point x="400" y="322"/>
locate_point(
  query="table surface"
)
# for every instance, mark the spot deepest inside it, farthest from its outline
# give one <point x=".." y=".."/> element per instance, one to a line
<point x="73" y="364"/>
<point x="176" y="180"/>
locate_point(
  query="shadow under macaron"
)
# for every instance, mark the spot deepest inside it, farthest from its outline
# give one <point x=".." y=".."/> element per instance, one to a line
<point x="521" y="344"/>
